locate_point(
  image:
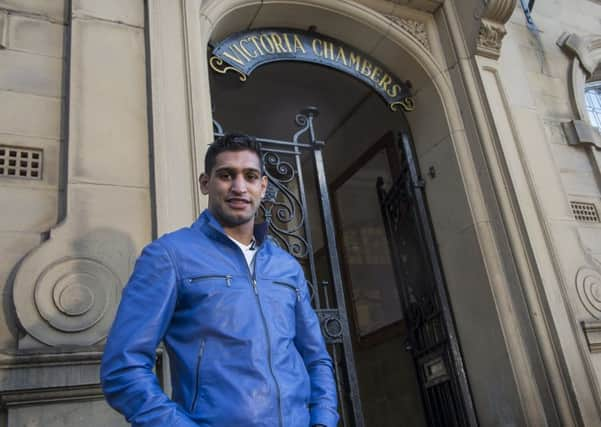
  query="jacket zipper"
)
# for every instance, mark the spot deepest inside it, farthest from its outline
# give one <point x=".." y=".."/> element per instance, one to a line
<point x="288" y="285"/>
<point x="253" y="282"/>
<point x="201" y="351"/>
<point x="226" y="277"/>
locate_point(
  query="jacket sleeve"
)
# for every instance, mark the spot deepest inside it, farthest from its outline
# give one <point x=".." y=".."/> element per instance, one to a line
<point x="126" y="372"/>
<point x="311" y="346"/>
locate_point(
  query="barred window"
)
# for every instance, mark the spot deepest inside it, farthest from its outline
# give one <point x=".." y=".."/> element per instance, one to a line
<point x="593" y="103"/>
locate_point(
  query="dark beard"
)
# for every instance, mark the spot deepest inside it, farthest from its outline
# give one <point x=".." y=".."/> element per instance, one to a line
<point x="229" y="220"/>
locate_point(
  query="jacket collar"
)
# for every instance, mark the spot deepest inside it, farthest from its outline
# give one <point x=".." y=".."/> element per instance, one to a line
<point x="207" y="218"/>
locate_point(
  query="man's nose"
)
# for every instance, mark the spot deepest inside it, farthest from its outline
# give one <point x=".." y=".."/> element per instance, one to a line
<point x="239" y="184"/>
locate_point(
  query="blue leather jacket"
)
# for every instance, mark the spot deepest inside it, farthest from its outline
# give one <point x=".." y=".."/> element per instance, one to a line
<point x="244" y="350"/>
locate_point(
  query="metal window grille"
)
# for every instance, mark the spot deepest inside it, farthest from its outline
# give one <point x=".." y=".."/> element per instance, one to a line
<point x="585" y="212"/>
<point x="593" y="104"/>
<point x="18" y="162"/>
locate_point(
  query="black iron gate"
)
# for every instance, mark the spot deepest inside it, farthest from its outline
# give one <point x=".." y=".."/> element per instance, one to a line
<point x="432" y="339"/>
<point x="286" y="210"/>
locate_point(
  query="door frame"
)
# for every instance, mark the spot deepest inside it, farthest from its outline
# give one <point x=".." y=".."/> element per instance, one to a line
<point x="529" y="373"/>
<point x="398" y="328"/>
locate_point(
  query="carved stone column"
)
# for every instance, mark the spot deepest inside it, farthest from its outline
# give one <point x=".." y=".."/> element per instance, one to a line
<point x="492" y="27"/>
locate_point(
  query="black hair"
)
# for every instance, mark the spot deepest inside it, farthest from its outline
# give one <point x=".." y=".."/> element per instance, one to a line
<point x="232" y="142"/>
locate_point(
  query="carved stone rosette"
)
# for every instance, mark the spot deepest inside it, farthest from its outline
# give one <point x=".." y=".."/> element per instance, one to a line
<point x="492" y="27"/>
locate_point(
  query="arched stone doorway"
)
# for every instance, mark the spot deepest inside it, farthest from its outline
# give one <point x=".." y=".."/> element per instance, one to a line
<point x="360" y="135"/>
<point x="507" y="380"/>
<point x="454" y="192"/>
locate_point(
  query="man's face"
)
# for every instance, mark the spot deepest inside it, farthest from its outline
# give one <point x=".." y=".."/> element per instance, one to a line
<point x="235" y="187"/>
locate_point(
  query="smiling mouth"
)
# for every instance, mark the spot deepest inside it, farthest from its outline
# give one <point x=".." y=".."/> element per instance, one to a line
<point x="238" y="203"/>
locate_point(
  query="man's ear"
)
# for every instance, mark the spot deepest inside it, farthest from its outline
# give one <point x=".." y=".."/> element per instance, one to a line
<point x="203" y="180"/>
<point x="264" y="183"/>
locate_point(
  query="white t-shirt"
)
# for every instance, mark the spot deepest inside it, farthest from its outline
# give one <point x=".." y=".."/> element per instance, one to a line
<point x="248" y="251"/>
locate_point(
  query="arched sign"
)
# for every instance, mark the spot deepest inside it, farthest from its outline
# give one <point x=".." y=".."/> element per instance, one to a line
<point x="245" y="51"/>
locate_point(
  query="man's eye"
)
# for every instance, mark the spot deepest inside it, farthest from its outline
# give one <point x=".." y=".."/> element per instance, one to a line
<point x="252" y="176"/>
<point x="224" y="175"/>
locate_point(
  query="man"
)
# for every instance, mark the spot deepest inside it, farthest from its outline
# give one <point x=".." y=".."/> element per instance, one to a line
<point x="233" y="310"/>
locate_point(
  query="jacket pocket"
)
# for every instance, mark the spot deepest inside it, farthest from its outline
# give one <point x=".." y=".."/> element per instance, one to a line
<point x="227" y="278"/>
<point x="289" y="286"/>
<point x="199" y="358"/>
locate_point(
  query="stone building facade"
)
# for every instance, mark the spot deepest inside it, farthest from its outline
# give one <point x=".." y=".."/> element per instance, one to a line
<point x="107" y="108"/>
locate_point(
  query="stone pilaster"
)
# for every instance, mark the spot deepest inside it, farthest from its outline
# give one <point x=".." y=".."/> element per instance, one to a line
<point x="65" y="292"/>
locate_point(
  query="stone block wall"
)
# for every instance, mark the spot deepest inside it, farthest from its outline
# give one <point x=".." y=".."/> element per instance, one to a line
<point x="532" y="93"/>
<point x="540" y="89"/>
<point x="540" y="93"/>
<point x="75" y="192"/>
<point x="32" y="88"/>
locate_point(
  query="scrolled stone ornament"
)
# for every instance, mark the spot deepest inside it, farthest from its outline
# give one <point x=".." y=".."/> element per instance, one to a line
<point x="588" y="285"/>
<point x="74" y="301"/>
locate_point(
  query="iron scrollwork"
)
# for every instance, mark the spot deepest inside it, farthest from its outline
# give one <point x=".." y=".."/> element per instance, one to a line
<point x="285" y="210"/>
<point x="331" y="325"/>
<point x="281" y="208"/>
<point x="397" y="200"/>
<point x="431" y="334"/>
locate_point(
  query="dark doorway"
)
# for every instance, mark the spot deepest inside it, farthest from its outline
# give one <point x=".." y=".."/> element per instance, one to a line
<point x="352" y="122"/>
<point x="385" y="366"/>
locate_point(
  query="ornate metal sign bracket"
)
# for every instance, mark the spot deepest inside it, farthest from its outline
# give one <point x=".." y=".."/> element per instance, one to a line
<point x="245" y="51"/>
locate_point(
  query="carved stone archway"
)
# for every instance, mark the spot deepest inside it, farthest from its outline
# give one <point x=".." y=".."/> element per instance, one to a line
<point x="381" y="29"/>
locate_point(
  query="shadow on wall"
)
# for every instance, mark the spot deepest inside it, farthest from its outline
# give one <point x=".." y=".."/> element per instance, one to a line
<point x="66" y="296"/>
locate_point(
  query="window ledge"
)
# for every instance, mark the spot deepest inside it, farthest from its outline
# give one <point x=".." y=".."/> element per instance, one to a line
<point x="579" y="132"/>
